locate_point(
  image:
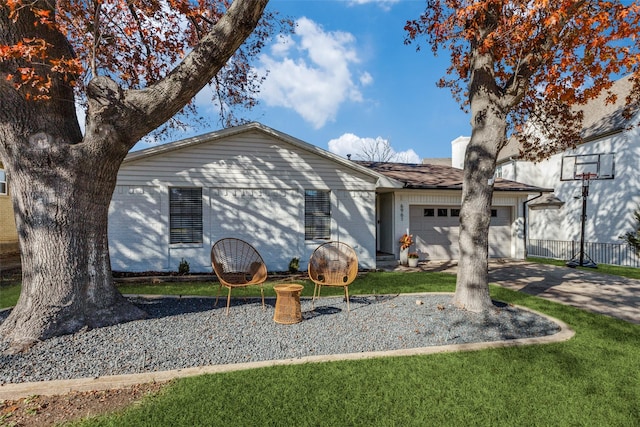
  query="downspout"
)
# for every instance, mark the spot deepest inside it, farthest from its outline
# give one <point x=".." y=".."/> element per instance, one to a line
<point x="525" y="211"/>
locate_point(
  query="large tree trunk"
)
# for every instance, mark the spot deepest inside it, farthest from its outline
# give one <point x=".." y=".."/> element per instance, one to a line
<point x="61" y="215"/>
<point x="61" y="186"/>
<point x="489" y="125"/>
<point x="61" y="181"/>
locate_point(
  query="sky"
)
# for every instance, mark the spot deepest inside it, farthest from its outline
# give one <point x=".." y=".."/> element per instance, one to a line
<point x="346" y="78"/>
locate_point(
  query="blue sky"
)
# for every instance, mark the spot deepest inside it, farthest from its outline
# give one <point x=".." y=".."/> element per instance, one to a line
<point x="346" y="78"/>
<point x="346" y="75"/>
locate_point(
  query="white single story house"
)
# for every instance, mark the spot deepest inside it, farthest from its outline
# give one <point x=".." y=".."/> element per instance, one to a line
<point x="286" y="197"/>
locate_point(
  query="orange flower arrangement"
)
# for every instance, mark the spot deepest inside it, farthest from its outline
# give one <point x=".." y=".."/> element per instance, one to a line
<point x="406" y="240"/>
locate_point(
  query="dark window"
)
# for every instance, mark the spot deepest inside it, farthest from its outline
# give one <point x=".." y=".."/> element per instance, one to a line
<point x="494" y="213"/>
<point x="3" y="182"/>
<point x="455" y="212"/>
<point x="429" y="212"/>
<point x="443" y="212"/>
<point x="317" y="215"/>
<point x="185" y="215"/>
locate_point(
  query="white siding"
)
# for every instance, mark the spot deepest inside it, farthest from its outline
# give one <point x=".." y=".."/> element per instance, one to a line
<point x="138" y="231"/>
<point x="253" y="189"/>
<point x="248" y="160"/>
<point x="610" y="204"/>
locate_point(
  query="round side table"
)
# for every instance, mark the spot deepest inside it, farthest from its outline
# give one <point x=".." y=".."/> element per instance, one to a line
<point x="288" y="304"/>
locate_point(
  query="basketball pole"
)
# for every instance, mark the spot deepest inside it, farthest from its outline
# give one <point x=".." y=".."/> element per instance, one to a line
<point x="586" y="177"/>
<point x="585" y="194"/>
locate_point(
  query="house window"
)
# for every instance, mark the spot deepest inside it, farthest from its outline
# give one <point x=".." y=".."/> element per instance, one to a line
<point x="494" y="213"/>
<point x="498" y="172"/>
<point x="429" y="212"/>
<point x="317" y="214"/>
<point x="455" y="212"/>
<point x="3" y="182"/>
<point x="185" y="215"/>
<point x="442" y="212"/>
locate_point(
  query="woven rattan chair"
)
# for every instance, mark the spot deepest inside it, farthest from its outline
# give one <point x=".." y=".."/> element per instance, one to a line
<point x="333" y="264"/>
<point x="237" y="264"/>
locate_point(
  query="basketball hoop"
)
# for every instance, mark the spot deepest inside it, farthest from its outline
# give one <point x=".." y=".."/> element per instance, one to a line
<point x="586" y="177"/>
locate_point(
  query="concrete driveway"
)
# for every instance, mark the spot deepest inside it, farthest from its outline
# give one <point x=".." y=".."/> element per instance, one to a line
<point x="587" y="289"/>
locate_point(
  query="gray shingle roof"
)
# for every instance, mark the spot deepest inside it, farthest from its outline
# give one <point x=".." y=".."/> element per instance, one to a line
<point x="600" y="119"/>
<point x="427" y="176"/>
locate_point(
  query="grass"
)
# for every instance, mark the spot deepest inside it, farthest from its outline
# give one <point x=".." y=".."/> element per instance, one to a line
<point x="591" y="380"/>
<point x="9" y="295"/>
<point x="366" y="284"/>
<point x="615" y="270"/>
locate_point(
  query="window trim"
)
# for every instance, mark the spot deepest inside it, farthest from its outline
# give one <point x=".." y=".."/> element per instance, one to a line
<point x="186" y="218"/>
<point x="317" y="215"/>
<point x="4" y="187"/>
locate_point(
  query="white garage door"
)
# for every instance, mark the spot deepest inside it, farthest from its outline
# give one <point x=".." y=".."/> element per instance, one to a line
<point x="436" y="231"/>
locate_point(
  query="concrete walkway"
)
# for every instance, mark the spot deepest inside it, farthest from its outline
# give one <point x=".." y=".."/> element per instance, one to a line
<point x="586" y="289"/>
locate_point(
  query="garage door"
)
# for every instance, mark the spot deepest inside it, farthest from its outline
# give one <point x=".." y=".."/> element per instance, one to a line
<point x="436" y="230"/>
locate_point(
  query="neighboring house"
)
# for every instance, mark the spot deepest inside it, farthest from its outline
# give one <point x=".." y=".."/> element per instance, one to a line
<point x="611" y="149"/>
<point x="8" y="233"/>
<point x="286" y="197"/>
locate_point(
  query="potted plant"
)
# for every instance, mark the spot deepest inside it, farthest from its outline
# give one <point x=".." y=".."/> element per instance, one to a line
<point x="412" y="259"/>
<point x="405" y="242"/>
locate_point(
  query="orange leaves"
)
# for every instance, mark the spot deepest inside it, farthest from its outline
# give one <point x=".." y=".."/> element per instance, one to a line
<point x="44" y="16"/>
<point x="30" y="78"/>
<point x="543" y="55"/>
<point x="28" y="48"/>
<point x="35" y="86"/>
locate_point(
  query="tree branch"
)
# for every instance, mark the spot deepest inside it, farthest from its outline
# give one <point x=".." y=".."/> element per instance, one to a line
<point x="152" y="106"/>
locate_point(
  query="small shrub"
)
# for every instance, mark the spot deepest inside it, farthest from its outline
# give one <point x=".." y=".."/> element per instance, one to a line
<point x="294" y="265"/>
<point x="183" y="267"/>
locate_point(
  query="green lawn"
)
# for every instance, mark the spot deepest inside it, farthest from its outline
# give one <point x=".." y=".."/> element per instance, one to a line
<point x="591" y="380"/>
<point x="368" y="283"/>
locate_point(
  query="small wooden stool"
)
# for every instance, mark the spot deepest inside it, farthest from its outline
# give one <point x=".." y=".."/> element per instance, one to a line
<point x="288" y="304"/>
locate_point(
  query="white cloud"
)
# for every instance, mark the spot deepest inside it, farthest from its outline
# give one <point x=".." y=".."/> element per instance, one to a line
<point x="356" y="146"/>
<point x="385" y="4"/>
<point x="311" y="72"/>
<point x="366" y="79"/>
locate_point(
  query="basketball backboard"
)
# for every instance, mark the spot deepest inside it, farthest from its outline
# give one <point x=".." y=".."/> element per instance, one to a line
<point x="576" y="166"/>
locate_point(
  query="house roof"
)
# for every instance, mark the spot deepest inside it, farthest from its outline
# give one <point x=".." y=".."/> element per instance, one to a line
<point x="443" y="161"/>
<point x="430" y="176"/>
<point x="389" y="175"/>
<point x="600" y="118"/>
<point x="255" y="126"/>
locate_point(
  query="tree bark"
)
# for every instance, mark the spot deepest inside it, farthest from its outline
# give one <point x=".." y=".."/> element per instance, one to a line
<point x="488" y="122"/>
<point x="61" y="215"/>
<point x="62" y="182"/>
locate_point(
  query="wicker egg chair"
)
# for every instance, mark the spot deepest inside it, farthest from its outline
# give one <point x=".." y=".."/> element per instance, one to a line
<point x="333" y="264"/>
<point x="237" y="264"/>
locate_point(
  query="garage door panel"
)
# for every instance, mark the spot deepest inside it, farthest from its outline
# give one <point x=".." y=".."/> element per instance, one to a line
<point x="437" y="236"/>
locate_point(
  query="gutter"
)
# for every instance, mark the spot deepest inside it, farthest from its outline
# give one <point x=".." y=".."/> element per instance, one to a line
<point x="525" y="211"/>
